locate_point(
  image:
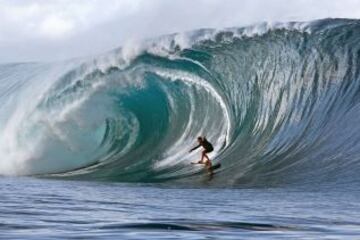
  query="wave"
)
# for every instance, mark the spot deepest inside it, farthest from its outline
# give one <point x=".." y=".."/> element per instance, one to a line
<point x="185" y="225"/>
<point x="279" y="102"/>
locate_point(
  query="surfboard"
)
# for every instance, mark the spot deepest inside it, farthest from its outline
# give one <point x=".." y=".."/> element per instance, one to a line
<point x="213" y="167"/>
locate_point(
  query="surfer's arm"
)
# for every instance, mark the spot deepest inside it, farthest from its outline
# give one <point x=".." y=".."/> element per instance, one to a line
<point x="195" y="148"/>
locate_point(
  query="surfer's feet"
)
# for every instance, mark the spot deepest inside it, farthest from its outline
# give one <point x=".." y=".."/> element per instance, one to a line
<point x="208" y="164"/>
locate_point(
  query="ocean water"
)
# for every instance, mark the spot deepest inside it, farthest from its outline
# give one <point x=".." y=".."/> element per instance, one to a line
<point x="56" y="209"/>
<point x="98" y="147"/>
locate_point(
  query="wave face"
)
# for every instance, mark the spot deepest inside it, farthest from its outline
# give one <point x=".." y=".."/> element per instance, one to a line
<point x="280" y="103"/>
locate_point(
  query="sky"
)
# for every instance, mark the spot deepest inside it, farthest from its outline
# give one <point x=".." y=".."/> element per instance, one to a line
<point x="51" y="30"/>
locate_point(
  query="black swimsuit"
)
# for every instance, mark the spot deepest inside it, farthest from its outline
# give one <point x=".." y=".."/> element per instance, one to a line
<point x="208" y="147"/>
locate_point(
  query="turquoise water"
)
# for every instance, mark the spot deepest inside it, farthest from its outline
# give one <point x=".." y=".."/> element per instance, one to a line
<point x="47" y="209"/>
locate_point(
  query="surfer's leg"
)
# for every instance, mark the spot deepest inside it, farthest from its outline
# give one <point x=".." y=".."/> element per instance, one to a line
<point x="207" y="161"/>
<point x="203" y="154"/>
<point x="208" y="166"/>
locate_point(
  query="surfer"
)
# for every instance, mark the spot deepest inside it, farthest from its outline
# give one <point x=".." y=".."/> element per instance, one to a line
<point x="208" y="147"/>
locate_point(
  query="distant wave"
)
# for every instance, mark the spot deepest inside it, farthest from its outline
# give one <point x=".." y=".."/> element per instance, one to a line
<point x="280" y="103"/>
